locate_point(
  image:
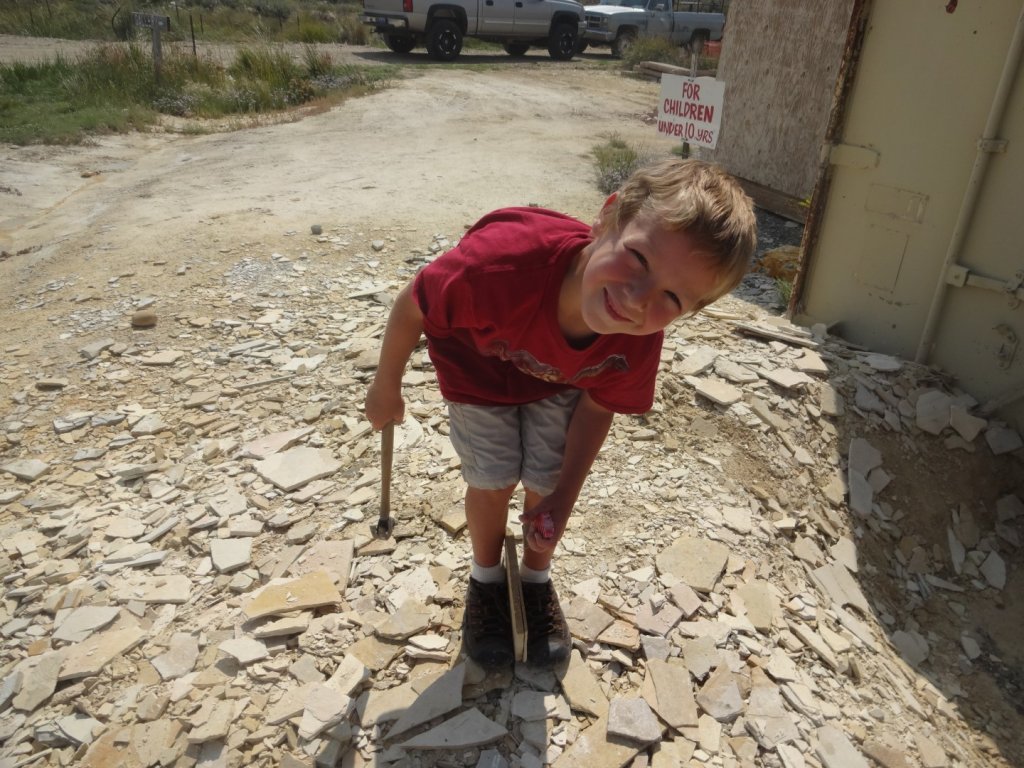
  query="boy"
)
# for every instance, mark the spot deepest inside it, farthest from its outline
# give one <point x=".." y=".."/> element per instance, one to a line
<point x="540" y="328"/>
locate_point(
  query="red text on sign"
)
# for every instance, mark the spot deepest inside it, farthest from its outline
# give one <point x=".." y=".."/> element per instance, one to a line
<point x="689" y="110"/>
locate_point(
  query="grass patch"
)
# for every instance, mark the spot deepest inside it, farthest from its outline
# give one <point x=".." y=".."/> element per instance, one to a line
<point x="615" y="160"/>
<point x="785" y="289"/>
<point x="114" y="89"/>
<point x="303" y="21"/>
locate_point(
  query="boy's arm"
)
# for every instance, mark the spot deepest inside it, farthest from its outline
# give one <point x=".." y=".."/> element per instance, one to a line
<point x="405" y="326"/>
<point x="588" y="429"/>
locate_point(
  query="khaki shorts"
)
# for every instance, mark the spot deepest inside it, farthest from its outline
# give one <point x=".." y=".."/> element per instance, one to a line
<point x="503" y="445"/>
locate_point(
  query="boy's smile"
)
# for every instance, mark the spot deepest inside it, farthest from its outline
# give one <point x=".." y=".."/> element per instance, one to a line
<point x="634" y="281"/>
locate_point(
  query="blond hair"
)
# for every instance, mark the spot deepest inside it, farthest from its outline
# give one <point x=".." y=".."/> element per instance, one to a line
<point x="697" y="197"/>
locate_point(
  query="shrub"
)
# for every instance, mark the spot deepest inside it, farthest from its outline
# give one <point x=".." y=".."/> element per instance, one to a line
<point x="615" y="161"/>
<point x="649" y="48"/>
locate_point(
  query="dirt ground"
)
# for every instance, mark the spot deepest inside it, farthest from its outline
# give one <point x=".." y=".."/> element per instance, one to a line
<point x="416" y="158"/>
<point x="427" y="155"/>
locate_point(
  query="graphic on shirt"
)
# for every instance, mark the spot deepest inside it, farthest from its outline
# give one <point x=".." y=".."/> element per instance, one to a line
<point x="530" y="365"/>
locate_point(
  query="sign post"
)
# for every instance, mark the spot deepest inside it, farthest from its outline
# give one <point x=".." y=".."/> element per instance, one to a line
<point x="691" y="108"/>
<point x="156" y="23"/>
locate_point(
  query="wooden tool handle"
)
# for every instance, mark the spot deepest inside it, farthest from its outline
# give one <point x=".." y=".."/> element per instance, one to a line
<point x="387" y="449"/>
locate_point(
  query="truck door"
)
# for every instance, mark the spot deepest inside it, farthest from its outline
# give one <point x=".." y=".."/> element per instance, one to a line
<point x="498" y="16"/>
<point x="659" y="19"/>
<point x="533" y="17"/>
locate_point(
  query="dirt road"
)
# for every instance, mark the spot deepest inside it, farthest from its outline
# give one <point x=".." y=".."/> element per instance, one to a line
<point x="431" y="153"/>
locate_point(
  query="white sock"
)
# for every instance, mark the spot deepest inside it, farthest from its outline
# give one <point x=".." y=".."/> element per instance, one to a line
<point x="487" y="574"/>
<point x="530" y="576"/>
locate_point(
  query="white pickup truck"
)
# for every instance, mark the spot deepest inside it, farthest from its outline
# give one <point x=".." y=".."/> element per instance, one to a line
<point x="619" y="23"/>
<point x="441" y="25"/>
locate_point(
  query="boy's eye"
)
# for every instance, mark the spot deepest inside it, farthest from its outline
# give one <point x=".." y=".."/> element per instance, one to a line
<point x="640" y="258"/>
<point x="675" y="299"/>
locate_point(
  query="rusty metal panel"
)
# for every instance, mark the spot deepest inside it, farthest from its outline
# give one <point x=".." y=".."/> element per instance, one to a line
<point x="881" y="235"/>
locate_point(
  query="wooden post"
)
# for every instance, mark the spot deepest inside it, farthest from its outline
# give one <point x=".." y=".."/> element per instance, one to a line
<point x="157" y="53"/>
<point x="155" y="23"/>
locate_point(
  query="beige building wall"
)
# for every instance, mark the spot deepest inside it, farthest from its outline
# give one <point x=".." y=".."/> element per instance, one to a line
<point x="779" y="63"/>
<point x="919" y="246"/>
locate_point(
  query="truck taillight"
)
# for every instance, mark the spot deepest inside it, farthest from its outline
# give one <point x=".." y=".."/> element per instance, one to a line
<point x="407" y="6"/>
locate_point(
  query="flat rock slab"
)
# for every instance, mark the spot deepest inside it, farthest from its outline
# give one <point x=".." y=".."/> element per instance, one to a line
<point x="674" y="700"/>
<point x="332" y="556"/>
<point x="268" y="445"/>
<point x="468" y="729"/>
<point x="698" y="562"/>
<point x="310" y="591"/>
<point x="82" y="622"/>
<point x="439" y="698"/>
<point x="180" y="657"/>
<point x="230" y="554"/>
<point x="719" y="392"/>
<point x="89" y="657"/>
<point x="596" y="748"/>
<point x="174" y="589"/>
<point x="632" y="719"/>
<point x="582" y="689"/>
<point x="25" y="469"/>
<point x="720" y="695"/>
<point x="296" y="467"/>
<point x="835" y="750"/>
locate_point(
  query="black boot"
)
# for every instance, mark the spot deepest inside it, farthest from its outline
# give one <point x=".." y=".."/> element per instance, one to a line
<point x="548" y="640"/>
<point x="487" y="624"/>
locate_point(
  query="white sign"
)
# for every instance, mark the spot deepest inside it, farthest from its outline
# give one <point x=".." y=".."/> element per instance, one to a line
<point x="691" y="109"/>
<point x="152" y="21"/>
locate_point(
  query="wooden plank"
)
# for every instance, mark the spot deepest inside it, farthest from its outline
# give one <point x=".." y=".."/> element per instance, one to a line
<point x="773" y="200"/>
<point x="515" y="598"/>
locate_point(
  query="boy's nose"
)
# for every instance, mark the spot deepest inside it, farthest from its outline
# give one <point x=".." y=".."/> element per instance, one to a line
<point x="640" y="294"/>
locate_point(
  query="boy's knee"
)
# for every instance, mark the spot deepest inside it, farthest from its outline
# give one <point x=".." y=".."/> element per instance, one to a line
<point x="494" y="493"/>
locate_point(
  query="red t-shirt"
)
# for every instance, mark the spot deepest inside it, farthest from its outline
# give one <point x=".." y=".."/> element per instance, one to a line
<point x="490" y="309"/>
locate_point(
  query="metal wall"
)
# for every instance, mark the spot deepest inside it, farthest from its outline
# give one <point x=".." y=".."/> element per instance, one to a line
<point x="779" y="62"/>
<point x="919" y="246"/>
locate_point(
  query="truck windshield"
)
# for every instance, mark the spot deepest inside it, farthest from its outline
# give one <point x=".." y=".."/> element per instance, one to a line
<point x="627" y="3"/>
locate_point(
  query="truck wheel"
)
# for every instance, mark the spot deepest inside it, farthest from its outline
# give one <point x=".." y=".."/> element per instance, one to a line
<point x="516" y="49"/>
<point x="562" y="43"/>
<point x="444" y="40"/>
<point x="400" y="43"/>
<point x="622" y="43"/>
<point x="697" y="42"/>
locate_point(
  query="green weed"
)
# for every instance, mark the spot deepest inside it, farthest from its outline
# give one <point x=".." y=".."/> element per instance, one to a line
<point x="615" y="160"/>
<point x="785" y="289"/>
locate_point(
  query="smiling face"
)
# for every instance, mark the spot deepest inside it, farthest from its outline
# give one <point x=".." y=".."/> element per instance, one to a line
<point x="639" y="279"/>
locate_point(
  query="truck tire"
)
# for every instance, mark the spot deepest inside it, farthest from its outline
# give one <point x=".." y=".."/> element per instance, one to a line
<point x="516" y="49"/>
<point x="697" y="42"/>
<point x="563" y="40"/>
<point x="400" y="43"/>
<point x="444" y="40"/>
<point x="622" y="43"/>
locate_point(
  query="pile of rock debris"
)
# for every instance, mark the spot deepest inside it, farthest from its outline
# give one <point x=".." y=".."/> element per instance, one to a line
<point x="189" y="577"/>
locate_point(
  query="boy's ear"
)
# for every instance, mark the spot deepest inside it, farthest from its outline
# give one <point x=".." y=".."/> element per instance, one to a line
<point x="599" y="224"/>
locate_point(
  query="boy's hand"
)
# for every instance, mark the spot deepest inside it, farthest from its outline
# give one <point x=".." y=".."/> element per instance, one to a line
<point x="384" y="405"/>
<point x="543" y="525"/>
